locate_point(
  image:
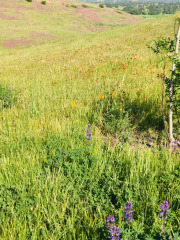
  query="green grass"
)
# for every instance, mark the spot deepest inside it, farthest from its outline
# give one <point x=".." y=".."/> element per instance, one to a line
<point x="154" y="16"/>
<point x="55" y="186"/>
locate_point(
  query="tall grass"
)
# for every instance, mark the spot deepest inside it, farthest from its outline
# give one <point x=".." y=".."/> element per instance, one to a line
<point x="55" y="186"/>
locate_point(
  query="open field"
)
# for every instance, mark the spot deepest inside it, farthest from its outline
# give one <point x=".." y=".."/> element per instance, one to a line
<point x="69" y="73"/>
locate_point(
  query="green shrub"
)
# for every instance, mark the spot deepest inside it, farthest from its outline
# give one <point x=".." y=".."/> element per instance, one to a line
<point x="43" y="2"/>
<point x="28" y="0"/>
<point x="101" y="5"/>
<point x="73" y="6"/>
<point x="85" y="6"/>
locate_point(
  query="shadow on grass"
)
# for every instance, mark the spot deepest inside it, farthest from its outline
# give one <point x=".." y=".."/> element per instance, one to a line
<point x="146" y="115"/>
<point x="119" y="115"/>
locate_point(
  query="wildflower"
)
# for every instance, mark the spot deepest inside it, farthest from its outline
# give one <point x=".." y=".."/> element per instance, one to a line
<point x="88" y="135"/>
<point x="102" y="97"/>
<point x="99" y="96"/>
<point x="128" y="209"/>
<point x="164" y="208"/>
<point x="79" y="105"/>
<point x="73" y="104"/>
<point x="112" y="229"/>
<point x="174" y="145"/>
<point x="120" y="109"/>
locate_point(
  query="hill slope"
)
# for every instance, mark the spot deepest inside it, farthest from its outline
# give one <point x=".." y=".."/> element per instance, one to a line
<point x="54" y="183"/>
<point x="23" y="23"/>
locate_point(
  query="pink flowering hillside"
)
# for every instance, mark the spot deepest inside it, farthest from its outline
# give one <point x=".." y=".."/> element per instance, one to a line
<point x="25" y="23"/>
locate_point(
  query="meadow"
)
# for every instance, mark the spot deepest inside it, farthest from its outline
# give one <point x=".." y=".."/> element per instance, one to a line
<point x="54" y="182"/>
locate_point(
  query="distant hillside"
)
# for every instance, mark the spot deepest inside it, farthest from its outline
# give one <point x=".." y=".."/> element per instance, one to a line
<point x="24" y="23"/>
<point x="116" y="1"/>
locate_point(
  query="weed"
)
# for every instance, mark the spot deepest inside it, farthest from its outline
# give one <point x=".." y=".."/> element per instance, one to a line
<point x="7" y="97"/>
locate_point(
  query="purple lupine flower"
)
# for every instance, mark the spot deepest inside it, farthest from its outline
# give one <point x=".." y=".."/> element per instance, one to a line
<point x="112" y="219"/>
<point x="88" y="135"/>
<point x="108" y="219"/>
<point x="164" y="208"/>
<point x="128" y="209"/>
<point x="174" y="146"/>
<point x="112" y="229"/>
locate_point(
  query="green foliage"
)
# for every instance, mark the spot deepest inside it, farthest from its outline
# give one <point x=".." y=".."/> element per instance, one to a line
<point x="43" y="2"/>
<point x="111" y="114"/>
<point x="101" y="5"/>
<point x="7" y="97"/>
<point x="70" y="192"/>
<point x="52" y="185"/>
<point x="140" y="8"/>
<point x="166" y="47"/>
<point x="163" y="45"/>
<point x="85" y="6"/>
<point x="176" y="90"/>
<point x="73" y="6"/>
<point x="29" y="0"/>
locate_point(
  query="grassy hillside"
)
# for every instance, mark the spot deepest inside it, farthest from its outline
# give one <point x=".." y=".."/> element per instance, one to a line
<point x="26" y="23"/>
<point x="54" y="184"/>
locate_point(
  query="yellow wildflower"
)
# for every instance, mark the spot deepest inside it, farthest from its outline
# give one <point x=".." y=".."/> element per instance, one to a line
<point x="120" y="109"/>
<point x="79" y="105"/>
<point x="99" y="96"/>
<point x="102" y="97"/>
<point x="73" y="104"/>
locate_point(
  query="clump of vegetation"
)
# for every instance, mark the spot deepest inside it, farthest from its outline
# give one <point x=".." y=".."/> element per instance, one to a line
<point x="43" y="2"/>
<point x="101" y="5"/>
<point x="142" y="8"/>
<point x="146" y="8"/>
<point x="74" y="6"/>
<point x="77" y="182"/>
<point x="85" y="6"/>
<point x="112" y="115"/>
<point x="7" y="97"/>
<point x="28" y="0"/>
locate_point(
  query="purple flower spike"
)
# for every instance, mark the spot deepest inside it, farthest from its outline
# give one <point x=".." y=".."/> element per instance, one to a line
<point x="174" y="146"/>
<point x="128" y="209"/>
<point x="112" y="219"/>
<point x="108" y="219"/>
<point x="164" y="208"/>
<point x="112" y="229"/>
<point x="88" y="135"/>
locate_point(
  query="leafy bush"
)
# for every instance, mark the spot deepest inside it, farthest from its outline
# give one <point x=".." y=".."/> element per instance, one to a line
<point x="85" y="6"/>
<point x="28" y="0"/>
<point x="43" y="2"/>
<point x="101" y="5"/>
<point x="73" y="6"/>
<point x="7" y="98"/>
